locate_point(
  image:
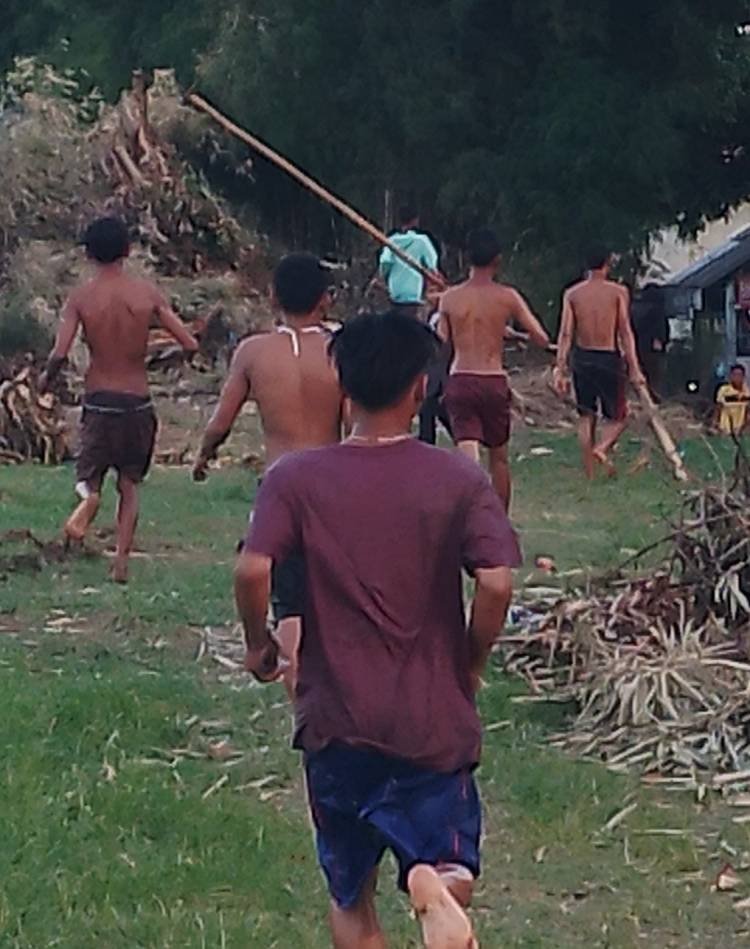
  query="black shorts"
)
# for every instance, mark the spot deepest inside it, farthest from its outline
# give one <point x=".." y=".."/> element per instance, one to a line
<point x="599" y="382"/>
<point x="288" y="588"/>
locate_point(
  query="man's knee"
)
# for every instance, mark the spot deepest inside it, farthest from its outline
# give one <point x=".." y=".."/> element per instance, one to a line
<point x="126" y="486"/>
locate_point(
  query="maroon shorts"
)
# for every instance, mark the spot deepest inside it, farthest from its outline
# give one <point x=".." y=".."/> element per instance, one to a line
<point x="118" y="430"/>
<point x="478" y="407"/>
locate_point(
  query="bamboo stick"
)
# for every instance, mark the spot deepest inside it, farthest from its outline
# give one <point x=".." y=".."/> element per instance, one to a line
<point x="199" y="103"/>
<point x="662" y="433"/>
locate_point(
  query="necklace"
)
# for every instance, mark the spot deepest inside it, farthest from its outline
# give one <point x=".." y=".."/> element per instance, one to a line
<point x="378" y="439"/>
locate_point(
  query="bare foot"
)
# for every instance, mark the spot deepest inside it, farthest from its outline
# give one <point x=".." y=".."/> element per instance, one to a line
<point x="119" y="571"/>
<point x="444" y="923"/>
<point x="79" y="521"/>
<point x="606" y="462"/>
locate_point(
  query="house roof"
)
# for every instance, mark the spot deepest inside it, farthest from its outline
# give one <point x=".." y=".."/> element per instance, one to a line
<point x="715" y="266"/>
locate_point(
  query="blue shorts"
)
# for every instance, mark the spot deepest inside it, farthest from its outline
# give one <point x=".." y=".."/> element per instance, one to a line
<point x="363" y="803"/>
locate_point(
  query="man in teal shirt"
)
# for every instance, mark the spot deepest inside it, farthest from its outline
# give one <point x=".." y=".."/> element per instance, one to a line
<point x="405" y="284"/>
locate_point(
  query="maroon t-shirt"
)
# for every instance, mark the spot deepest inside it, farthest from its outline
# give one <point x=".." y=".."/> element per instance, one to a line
<point x="385" y="532"/>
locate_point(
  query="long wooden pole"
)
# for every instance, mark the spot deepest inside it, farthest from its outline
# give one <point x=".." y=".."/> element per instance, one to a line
<point x="199" y="103"/>
<point x="662" y="433"/>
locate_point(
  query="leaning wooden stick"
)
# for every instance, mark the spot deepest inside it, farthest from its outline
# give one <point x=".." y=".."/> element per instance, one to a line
<point x="199" y="103"/>
<point x="662" y="433"/>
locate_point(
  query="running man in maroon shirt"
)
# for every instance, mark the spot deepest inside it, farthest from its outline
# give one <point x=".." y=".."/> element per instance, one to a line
<point x="388" y="671"/>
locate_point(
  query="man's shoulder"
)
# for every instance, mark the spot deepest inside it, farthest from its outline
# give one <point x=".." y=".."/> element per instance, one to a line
<point x="575" y="289"/>
<point x="252" y="346"/>
<point x="454" y="293"/>
<point x="291" y="467"/>
<point x="449" y="464"/>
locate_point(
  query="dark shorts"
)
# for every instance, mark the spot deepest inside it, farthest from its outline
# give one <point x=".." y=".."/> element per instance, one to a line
<point x="364" y="803"/>
<point x="407" y="309"/>
<point x="118" y="431"/>
<point x="599" y="382"/>
<point x="288" y="588"/>
<point x="478" y="408"/>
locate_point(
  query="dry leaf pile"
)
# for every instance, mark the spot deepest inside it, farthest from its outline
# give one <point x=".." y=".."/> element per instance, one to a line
<point x="658" y="666"/>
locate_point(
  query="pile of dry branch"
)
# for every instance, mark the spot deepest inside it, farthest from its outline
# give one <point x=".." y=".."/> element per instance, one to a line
<point x="32" y="426"/>
<point x="658" y="666"/>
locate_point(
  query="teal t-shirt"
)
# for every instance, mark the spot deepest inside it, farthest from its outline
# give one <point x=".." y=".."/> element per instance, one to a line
<point x="405" y="284"/>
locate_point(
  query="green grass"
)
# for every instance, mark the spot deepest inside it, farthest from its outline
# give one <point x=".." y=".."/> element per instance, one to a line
<point x="107" y="839"/>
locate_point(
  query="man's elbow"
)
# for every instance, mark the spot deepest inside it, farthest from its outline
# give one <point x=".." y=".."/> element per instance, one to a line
<point x="190" y="344"/>
<point x="252" y="571"/>
<point x="495" y="584"/>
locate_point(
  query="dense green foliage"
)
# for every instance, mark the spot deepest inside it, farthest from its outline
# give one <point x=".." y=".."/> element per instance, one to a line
<point x="559" y="121"/>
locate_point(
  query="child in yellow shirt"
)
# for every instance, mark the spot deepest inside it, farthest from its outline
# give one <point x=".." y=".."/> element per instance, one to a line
<point x="731" y="403"/>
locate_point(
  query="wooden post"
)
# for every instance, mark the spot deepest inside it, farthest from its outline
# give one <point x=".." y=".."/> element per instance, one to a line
<point x="199" y="103"/>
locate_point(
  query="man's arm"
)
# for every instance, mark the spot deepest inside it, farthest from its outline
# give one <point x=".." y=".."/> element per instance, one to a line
<point x="169" y="320"/>
<point x="272" y="535"/>
<point x="386" y="263"/>
<point x="565" y="336"/>
<point x="443" y="323"/>
<point x="66" y="334"/>
<point x="234" y="394"/>
<point x="490" y="607"/>
<point x="627" y="339"/>
<point x="523" y="315"/>
<point x="252" y="591"/>
<point x="489" y="551"/>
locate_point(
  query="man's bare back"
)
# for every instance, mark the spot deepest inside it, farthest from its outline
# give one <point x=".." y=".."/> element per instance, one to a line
<point x="596" y="308"/>
<point x="289" y="375"/>
<point x="475" y="317"/>
<point x="115" y="312"/>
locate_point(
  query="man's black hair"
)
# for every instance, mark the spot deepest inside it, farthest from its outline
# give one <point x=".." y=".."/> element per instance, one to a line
<point x="106" y="240"/>
<point x="483" y="247"/>
<point x="597" y="257"/>
<point x="299" y="283"/>
<point x="407" y="214"/>
<point x="738" y="366"/>
<point x="380" y="355"/>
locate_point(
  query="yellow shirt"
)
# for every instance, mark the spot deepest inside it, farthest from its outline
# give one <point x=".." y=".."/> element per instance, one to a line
<point x="733" y="413"/>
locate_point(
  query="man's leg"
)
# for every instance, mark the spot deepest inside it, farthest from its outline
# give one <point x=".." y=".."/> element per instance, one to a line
<point x="586" y="431"/>
<point x="610" y="436"/>
<point x="82" y="517"/>
<point x="288" y="635"/>
<point x="127" y="520"/>
<point x="428" y="421"/>
<point x="500" y="473"/>
<point x="439" y="895"/>
<point x="357" y="927"/>
<point x="470" y="449"/>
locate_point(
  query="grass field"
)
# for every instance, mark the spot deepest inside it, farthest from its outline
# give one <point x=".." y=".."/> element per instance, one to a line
<point x="119" y="829"/>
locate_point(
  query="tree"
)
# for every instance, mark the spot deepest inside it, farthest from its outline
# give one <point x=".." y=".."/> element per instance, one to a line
<point x="560" y="121"/>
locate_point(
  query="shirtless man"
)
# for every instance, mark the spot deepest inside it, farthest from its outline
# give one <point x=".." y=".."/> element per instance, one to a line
<point x="115" y="311"/>
<point x="596" y="326"/>
<point x="289" y="375"/>
<point x="475" y="318"/>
